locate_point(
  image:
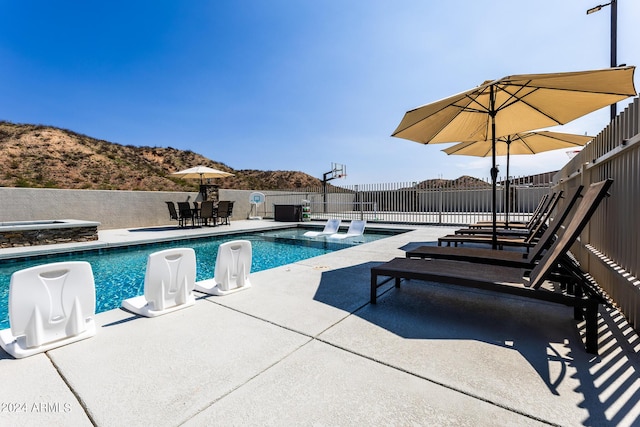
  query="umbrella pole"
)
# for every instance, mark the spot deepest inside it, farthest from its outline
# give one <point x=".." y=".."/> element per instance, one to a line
<point x="494" y="170"/>
<point x="494" y="197"/>
<point x="508" y="188"/>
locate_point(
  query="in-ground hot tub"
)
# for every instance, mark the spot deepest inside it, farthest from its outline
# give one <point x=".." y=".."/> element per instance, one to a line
<point x="46" y="232"/>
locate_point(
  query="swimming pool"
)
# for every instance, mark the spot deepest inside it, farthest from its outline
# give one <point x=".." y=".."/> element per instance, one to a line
<point x="119" y="272"/>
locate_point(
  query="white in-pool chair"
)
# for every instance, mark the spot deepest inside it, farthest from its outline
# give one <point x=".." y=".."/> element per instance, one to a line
<point x="50" y="306"/>
<point x="168" y="283"/>
<point x="331" y="227"/>
<point x="233" y="266"/>
<point x="356" y="228"/>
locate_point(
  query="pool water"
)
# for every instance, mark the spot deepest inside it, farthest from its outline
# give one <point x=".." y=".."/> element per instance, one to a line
<point x="119" y="273"/>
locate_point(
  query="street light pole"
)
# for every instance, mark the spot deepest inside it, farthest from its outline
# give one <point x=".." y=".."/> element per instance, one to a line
<point x="614" y="45"/>
<point x="614" y="39"/>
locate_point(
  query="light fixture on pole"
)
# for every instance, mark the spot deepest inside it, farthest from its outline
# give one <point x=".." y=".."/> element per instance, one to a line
<point x="614" y="37"/>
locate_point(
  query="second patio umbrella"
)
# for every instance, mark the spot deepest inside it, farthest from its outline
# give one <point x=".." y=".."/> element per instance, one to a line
<point x="519" y="143"/>
<point x="515" y="104"/>
<point x="201" y="172"/>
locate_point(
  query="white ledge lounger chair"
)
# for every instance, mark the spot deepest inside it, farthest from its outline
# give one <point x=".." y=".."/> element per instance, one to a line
<point x="331" y="227"/>
<point x="50" y="306"/>
<point x="168" y="283"/>
<point x="233" y="266"/>
<point x="356" y="228"/>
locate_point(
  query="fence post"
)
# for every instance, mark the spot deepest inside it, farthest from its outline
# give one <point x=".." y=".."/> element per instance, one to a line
<point x="360" y="201"/>
<point x="440" y="206"/>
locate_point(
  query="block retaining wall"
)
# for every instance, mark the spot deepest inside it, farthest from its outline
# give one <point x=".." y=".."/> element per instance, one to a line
<point x="20" y="238"/>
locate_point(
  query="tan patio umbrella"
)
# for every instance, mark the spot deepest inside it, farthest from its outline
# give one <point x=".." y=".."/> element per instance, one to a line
<point x="515" y="104"/>
<point x="520" y="143"/>
<point x="201" y="172"/>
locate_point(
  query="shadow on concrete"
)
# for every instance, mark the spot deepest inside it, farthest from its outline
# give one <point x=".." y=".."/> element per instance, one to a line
<point x="125" y="320"/>
<point x="431" y="311"/>
<point x="610" y="383"/>
<point x="414" y="245"/>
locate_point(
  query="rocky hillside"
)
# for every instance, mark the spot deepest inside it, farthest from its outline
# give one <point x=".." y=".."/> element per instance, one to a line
<point x="465" y="181"/>
<point x="44" y="156"/>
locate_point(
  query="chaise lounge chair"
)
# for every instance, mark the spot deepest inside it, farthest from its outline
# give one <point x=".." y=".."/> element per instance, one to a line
<point x="541" y="209"/>
<point x="356" y="228"/>
<point x="509" y="258"/>
<point x="576" y="290"/>
<point x="50" y="306"/>
<point x="233" y="266"/>
<point x="502" y="240"/>
<point x="534" y="228"/>
<point x="331" y="227"/>
<point x="168" y="283"/>
<point x="505" y="237"/>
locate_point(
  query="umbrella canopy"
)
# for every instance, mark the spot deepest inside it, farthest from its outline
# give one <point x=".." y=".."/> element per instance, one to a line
<point x="515" y="104"/>
<point x="201" y="172"/>
<point x="519" y="143"/>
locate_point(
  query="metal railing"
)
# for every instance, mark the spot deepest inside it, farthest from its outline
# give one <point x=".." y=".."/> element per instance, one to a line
<point x="436" y="203"/>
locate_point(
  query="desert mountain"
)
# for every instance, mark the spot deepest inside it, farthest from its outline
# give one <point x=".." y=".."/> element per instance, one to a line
<point x="465" y="181"/>
<point x="45" y="156"/>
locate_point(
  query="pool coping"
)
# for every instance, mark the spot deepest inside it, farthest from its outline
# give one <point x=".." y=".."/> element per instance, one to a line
<point x="148" y="235"/>
<point x="41" y="224"/>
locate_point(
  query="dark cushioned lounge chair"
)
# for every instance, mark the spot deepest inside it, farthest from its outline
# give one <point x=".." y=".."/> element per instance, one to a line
<point x="506" y="237"/>
<point x="505" y="258"/>
<point x="575" y="288"/>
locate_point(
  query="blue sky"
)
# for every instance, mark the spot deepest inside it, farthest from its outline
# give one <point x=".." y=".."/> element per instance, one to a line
<point x="292" y="84"/>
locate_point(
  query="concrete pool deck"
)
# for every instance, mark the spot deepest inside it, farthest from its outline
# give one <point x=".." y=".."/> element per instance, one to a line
<point x="303" y="346"/>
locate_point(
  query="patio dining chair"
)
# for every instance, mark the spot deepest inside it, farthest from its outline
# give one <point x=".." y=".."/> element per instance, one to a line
<point x="208" y="213"/>
<point x="173" y="213"/>
<point x="225" y="209"/>
<point x="186" y="213"/>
